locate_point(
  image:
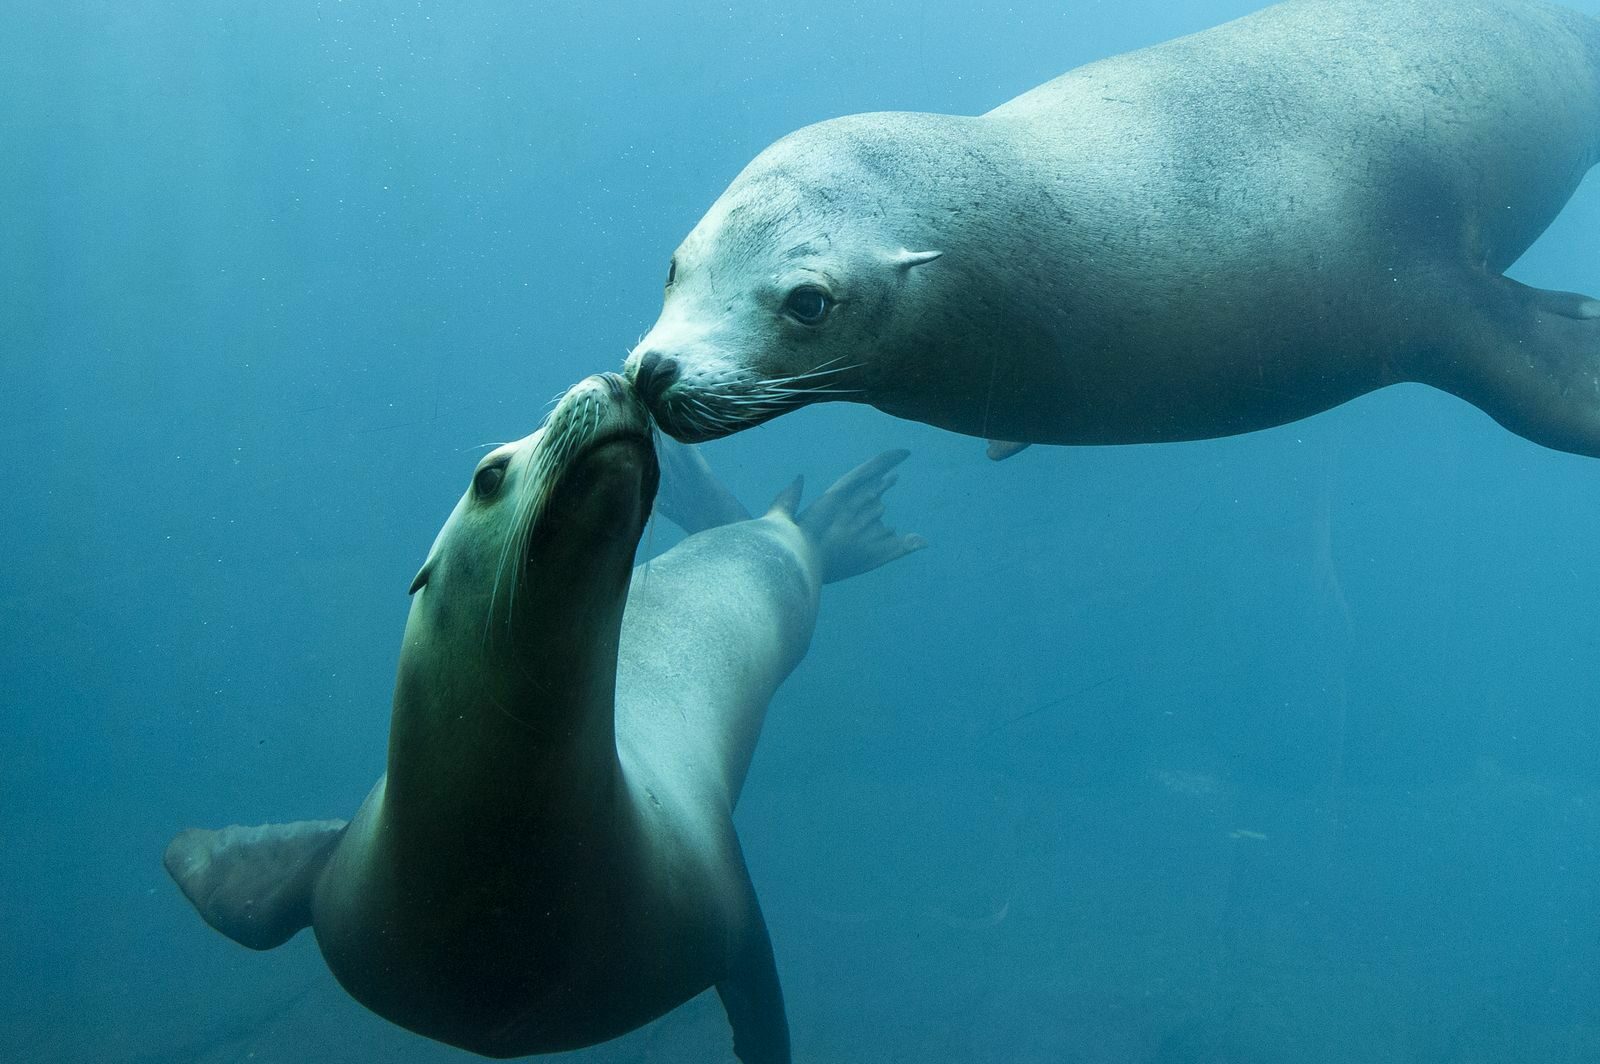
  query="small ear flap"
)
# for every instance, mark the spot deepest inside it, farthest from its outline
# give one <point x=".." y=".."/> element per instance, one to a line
<point x="421" y="578"/>
<point x="907" y="259"/>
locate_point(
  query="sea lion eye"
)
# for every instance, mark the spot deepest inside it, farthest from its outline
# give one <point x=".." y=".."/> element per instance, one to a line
<point x="487" y="480"/>
<point x="808" y="304"/>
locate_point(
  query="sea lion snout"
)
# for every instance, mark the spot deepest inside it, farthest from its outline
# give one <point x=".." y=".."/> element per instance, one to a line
<point x="598" y="405"/>
<point x="653" y="374"/>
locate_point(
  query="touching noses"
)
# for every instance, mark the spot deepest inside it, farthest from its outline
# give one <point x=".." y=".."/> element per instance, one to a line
<point x="653" y="374"/>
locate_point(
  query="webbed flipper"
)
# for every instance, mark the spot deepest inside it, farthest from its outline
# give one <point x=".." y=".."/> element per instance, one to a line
<point x="253" y="884"/>
<point x="846" y="523"/>
<point x="1527" y="357"/>
<point x="691" y="496"/>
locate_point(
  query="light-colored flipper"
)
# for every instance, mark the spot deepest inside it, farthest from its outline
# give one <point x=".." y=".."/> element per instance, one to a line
<point x="690" y="495"/>
<point x="846" y="523"/>
<point x="253" y="884"/>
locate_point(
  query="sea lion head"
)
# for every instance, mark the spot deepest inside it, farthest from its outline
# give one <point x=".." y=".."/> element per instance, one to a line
<point x="532" y="566"/>
<point x="781" y="294"/>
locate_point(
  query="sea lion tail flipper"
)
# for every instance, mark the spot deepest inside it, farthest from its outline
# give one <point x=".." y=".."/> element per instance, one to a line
<point x="846" y="523"/>
<point x="253" y="883"/>
<point x="691" y="496"/>
<point x="1530" y="359"/>
<point x="752" y="996"/>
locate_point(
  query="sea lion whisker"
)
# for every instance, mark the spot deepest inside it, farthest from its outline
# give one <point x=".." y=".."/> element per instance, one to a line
<point x="828" y="391"/>
<point x="740" y="398"/>
<point x="717" y="417"/>
<point x="698" y="404"/>
<point x="807" y="380"/>
<point x="552" y="453"/>
<point x="803" y="392"/>
<point x="513" y="548"/>
<point x="743" y="392"/>
<point x="686" y="416"/>
<point x="765" y="403"/>
<point x="826" y="369"/>
<point x="704" y="422"/>
<point x="820" y="371"/>
<point x="517" y="542"/>
<point x="725" y="404"/>
<point x="506" y="552"/>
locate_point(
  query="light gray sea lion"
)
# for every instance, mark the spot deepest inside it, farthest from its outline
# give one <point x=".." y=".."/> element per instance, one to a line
<point x="550" y="860"/>
<point x="1219" y="234"/>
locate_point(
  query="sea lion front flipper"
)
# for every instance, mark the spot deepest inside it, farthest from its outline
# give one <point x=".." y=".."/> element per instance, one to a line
<point x="253" y="884"/>
<point x="752" y="997"/>
<point x="691" y="496"/>
<point x="1000" y="450"/>
<point x="1530" y="359"/>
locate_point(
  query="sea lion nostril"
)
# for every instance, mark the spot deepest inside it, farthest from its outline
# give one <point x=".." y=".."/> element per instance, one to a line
<point x="654" y="375"/>
<point x="666" y="373"/>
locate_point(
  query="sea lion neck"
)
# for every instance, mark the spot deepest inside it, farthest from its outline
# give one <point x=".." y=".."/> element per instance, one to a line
<point x="503" y="714"/>
<point x="524" y="718"/>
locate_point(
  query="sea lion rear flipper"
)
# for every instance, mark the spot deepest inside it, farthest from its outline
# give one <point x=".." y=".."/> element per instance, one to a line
<point x="253" y="884"/>
<point x="846" y="523"/>
<point x="753" y="998"/>
<point x="691" y="496"/>
<point x="1530" y="359"/>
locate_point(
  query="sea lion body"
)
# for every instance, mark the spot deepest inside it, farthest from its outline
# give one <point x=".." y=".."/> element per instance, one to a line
<point x="550" y="860"/>
<point x="1222" y="233"/>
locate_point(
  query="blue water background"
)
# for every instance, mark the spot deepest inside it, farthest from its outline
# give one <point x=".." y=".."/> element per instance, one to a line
<point x="1278" y="748"/>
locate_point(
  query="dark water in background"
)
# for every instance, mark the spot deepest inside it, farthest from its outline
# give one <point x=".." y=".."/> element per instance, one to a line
<point x="1278" y="748"/>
